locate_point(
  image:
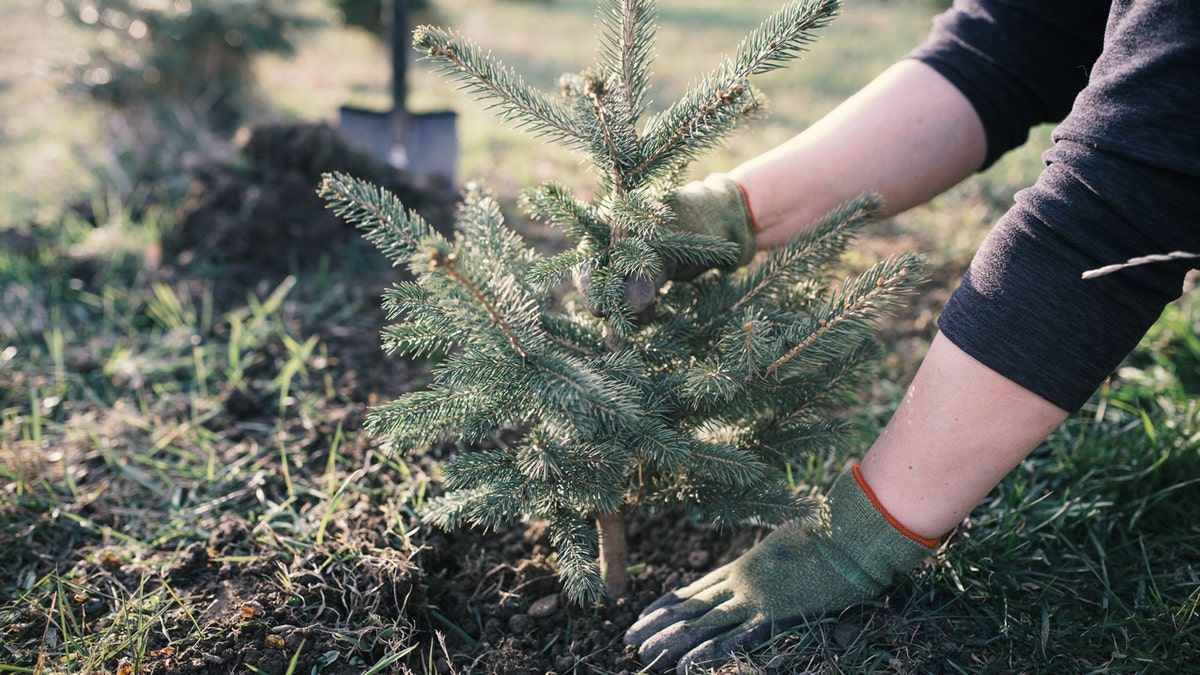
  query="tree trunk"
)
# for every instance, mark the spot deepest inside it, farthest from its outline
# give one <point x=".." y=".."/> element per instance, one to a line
<point x="614" y="557"/>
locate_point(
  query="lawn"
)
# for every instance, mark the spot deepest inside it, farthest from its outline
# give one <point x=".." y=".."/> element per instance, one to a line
<point x="186" y="487"/>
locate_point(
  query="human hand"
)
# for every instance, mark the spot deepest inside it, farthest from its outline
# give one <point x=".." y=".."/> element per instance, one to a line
<point x="850" y="554"/>
<point x="715" y="207"/>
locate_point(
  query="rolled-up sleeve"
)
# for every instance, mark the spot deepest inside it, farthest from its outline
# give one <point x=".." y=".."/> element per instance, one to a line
<point x="1122" y="180"/>
<point x="1019" y="62"/>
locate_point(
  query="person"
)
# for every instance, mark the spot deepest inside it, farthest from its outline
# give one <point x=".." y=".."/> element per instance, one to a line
<point x="1024" y="340"/>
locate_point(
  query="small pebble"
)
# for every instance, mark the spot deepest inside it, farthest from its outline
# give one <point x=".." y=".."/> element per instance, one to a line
<point x="564" y="663"/>
<point x="544" y="607"/>
<point x="844" y="634"/>
<point x="519" y="623"/>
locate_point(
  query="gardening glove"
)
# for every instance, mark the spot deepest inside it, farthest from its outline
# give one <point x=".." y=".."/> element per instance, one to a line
<point x="717" y="207"/>
<point x="799" y="572"/>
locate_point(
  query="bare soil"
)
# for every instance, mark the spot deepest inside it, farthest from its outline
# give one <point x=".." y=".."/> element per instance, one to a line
<point x="468" y="602"/>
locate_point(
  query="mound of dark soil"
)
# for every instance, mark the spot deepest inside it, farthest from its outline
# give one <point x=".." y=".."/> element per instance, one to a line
<point x="264" y="211"/>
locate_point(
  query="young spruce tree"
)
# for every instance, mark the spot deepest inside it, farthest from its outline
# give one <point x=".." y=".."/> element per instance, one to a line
<point x="700" y="405"/>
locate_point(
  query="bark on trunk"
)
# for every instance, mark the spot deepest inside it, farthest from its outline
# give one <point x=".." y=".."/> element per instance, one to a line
<point x="614" y="557"/>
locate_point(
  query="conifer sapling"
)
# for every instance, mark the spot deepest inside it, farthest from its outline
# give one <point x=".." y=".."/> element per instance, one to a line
<point x="701" y="404"/>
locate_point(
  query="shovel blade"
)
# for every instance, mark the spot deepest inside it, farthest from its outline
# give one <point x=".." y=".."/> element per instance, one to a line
<point x="429" y="146"/>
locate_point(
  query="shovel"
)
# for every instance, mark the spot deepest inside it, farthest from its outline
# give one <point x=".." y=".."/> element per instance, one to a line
<point x="421" y="143"/>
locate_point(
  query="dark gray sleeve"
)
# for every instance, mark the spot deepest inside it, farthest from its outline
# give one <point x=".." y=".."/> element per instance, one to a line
<point x="1019" y="62"/>
<point x="1023" y="309"/>
<point x="1122" y="180"/>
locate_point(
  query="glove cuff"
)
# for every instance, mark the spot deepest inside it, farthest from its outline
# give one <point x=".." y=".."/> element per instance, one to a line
<point x="718" y="206"/>
<point x="870" y="494"/>
<point x="869" y="546"/>
<point x="738" y="226"/>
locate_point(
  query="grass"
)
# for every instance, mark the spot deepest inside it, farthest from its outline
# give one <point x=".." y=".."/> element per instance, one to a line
<point x="142" y="414"/>
<point x="118" y="451"/>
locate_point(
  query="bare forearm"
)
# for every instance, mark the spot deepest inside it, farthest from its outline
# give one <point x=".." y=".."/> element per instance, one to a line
<point x="960" y="429"/>
<point x="908" y="136"/>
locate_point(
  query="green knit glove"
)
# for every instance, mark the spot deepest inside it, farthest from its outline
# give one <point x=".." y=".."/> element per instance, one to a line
<point x="716" y="207"/>
<point x="799" y="572"/>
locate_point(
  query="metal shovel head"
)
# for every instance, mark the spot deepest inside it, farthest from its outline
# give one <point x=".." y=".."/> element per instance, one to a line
<point x="429" y="146"/>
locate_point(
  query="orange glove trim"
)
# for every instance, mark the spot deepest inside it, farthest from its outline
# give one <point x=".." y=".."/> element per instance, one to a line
<point x="928" y="543"/>
<point x="749" y="211"/>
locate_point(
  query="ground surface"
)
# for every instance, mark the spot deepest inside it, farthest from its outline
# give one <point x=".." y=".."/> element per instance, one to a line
<point x="374" y="586"/>
<point x="481" y="604"/>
